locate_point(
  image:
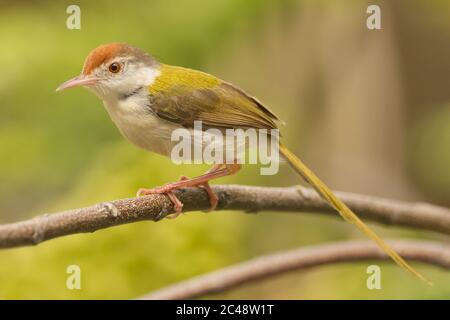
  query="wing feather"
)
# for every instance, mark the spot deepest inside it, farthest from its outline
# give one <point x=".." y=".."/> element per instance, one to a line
<point x="184" y="95"/>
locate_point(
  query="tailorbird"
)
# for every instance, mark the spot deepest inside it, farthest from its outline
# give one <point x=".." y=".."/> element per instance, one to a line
<point x="148" y="100"/>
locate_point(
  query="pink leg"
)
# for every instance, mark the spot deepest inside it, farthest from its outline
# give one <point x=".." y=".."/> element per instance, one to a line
<point x="177" y="205"/>
<point x="217" y="171"/>
<point x="213" y="199"/>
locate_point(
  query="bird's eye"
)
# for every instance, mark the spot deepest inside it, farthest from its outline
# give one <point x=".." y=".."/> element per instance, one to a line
<point x="114" y="67"/>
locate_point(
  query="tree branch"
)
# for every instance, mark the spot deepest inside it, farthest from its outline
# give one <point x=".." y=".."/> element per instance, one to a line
<point x="231" y="197"/>
<point x="313" y="256"/>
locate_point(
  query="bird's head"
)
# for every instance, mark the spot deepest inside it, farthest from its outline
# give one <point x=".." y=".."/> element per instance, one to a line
<point x="115" y="69"/>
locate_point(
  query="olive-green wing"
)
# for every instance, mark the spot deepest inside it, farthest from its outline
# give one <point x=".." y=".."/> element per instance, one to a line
<point x="183" y="96"/>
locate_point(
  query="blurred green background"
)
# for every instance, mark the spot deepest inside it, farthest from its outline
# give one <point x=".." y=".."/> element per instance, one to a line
<point x="368" y="110"/>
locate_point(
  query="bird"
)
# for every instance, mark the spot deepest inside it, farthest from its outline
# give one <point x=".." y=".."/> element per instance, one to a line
<point x="147" y="100"/>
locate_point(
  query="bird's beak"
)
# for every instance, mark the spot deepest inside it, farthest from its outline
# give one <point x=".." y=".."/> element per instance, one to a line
<point x="78" y="81"/>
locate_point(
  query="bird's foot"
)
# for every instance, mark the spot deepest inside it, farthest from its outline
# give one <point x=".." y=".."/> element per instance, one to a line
<point x="213" y="199"/>
<point x="177" y="204"/>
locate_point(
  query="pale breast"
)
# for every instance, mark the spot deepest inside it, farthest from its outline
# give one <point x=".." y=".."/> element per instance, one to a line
<point x="140" y="126"/>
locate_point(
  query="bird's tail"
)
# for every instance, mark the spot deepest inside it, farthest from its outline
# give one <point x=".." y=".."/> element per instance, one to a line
<point x="343" y="210"/>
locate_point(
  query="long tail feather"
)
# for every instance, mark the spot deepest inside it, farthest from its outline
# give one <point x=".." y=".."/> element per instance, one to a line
<point x="343" y="210"/>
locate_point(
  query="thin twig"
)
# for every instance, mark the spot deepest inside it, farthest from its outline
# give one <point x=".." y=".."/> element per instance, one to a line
<point x="231" y="197"/>
<point x="313" y="256"/>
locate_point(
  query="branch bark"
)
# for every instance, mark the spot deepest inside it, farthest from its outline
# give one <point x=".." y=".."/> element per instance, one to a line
<point x="313" y="256"/>
<point x="231" y="197"/>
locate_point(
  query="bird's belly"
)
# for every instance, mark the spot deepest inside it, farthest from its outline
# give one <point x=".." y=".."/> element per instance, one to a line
<point x="152" y="133"/>
<point x="143" y="129"/>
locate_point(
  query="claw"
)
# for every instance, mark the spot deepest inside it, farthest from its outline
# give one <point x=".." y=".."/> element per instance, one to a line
<point x="177" y="204"/>
<point x="201" y="181"/>
<point x="213" y="199"/>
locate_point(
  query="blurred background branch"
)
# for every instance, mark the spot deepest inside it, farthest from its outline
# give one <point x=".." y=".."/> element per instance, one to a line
<point x="231" y="197"/>
<point x="313" y="256"/>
